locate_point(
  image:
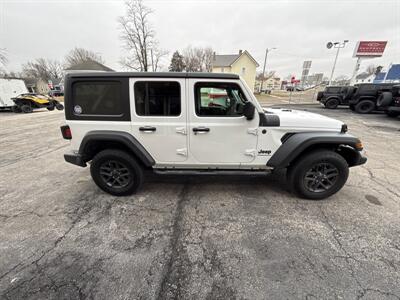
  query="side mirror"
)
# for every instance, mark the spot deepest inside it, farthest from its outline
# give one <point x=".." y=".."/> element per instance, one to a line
<point x="248" y="110"/>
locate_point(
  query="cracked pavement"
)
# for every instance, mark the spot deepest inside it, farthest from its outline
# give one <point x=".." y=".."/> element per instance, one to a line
<point x="232" y="237"/>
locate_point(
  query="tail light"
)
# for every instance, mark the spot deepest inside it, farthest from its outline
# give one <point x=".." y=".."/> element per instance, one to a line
<point x="66" y="132"/>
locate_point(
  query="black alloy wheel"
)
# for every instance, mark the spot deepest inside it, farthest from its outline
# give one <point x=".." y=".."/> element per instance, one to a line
<point x="321" y="177"/>
<point x="115" y="174"/>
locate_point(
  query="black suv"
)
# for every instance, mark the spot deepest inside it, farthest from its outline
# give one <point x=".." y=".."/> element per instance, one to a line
<point x="390" y="101"/>
<point x="364" y="99"/>
<point x="333" y="96"/>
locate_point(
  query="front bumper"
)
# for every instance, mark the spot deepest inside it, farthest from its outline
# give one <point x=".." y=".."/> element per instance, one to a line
<point x="75" y="159"/>
<point x="361" y="159"/>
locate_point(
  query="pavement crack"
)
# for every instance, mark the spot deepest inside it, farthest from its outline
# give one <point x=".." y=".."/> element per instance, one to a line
<point x="347" y="257"/>
<point x="174" y="277"/>
<point x="374" y="179"/>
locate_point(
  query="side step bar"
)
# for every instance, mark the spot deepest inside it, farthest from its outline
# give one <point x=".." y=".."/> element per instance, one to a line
<point x="211" y="172"/>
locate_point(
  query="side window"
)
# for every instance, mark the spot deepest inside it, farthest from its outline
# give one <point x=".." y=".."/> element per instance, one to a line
<point x="218" y="99"/>
<point x="93" y="98"/>
<point x="157" y="98"/>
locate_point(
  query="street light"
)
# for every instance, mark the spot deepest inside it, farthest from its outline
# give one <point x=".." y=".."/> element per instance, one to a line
<point x="336" y="45"/>
<point x="265" y="62"/>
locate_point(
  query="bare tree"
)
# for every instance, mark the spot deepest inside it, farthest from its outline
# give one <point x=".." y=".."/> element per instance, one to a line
<point x="3" y="58"/>
<point x="80" y="55"/>
<point x="197" y="59"/>
<point x="139" y="38"/>
<point x="371" y="69"/>
<point x="42" y="68"/>
<point x="208" y="58"/>
<point x="156" y="55"/>
<point x="342" y="80"/>
<point x="267" y="76"/>
<point x="192" y="59"/>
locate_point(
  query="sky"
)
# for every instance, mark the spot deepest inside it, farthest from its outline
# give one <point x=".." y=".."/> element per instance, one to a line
<point x="299" y="30"/>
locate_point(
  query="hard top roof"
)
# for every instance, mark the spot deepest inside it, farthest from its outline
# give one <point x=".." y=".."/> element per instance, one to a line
<point x="154" y="75"/>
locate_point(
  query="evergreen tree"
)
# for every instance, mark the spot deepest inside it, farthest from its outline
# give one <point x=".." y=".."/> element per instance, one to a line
<point x="177" y="64"/>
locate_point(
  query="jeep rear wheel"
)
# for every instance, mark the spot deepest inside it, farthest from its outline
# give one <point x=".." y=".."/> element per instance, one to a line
<point x="318" y="174"/>
<point x="116" y="172"/>
<point x="365" y="107"/>
<point x="332" y="103"/>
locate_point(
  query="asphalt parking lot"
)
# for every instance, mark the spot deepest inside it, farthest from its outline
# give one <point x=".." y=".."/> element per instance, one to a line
<point x="194" y="238"/>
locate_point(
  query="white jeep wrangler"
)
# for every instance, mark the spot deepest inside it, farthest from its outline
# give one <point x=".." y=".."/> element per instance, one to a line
<point x="198" y="123"/>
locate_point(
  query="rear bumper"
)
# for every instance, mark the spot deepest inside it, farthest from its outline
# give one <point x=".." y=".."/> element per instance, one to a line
<point x="75" y="159"/>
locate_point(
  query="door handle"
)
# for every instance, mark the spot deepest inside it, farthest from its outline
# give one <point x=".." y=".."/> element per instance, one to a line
<point x="197" y="130"/>
<point x="147" y="129"/>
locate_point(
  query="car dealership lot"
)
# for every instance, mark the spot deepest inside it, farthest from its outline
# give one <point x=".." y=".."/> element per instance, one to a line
<point x="189" y="237"/>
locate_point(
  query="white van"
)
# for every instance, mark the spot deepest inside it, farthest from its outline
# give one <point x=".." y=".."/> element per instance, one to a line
<point x="10" y="88"/>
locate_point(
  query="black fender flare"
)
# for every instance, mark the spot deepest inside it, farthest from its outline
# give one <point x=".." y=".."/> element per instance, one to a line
<point x="295" y="145"/>
<point x="333" y="97"/>
<point x="121" y="137"/>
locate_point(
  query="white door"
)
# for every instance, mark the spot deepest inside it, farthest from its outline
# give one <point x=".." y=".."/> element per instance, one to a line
<point x="218" y="132"/>
<point x="158" y="107"/>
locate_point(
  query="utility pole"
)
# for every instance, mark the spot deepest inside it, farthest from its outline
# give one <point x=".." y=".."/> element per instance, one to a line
<point x="265" y="63"/>
<point x="338" y="46"/>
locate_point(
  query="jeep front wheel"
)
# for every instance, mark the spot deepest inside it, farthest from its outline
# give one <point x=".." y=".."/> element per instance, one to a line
<point x="318" y="175"/>
<point x="116" y="172"/>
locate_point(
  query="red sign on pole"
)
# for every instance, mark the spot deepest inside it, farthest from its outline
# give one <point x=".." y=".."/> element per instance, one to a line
<point x="370" y="48"/>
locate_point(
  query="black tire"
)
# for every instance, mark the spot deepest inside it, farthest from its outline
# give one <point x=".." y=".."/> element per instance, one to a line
<point x="50" y="107"/>
<point x="310" y="184"/>
<point x="352" y="107"/>
<point x="392" y="114"/>
<point x="59" y="106"/>
<point x="320" y="95"/>
<point x="26" y="109"/>
<point x="16" y="109"/>
<point x="125" y="174"/>
<point x="332" y="103"/>
<point x="384" y="99"/>
<point x="365" y="107"/>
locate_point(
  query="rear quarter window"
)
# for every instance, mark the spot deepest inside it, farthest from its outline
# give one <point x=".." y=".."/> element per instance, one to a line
<point x="98" y="100"/>
<point x="333" y="90"/>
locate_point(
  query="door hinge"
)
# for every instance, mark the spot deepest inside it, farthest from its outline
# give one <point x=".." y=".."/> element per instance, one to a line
<point x="251" y="152"/>
<point x="252" y="131"/>
<point x="182" y="151"/>
<point x="181" y="130"/>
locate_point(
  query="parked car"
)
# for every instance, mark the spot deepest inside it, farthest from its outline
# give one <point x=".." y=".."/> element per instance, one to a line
<point x="364" y="99"/>
<point x="333" y="96"/>
<point x="291" y="88"/>
<point x="125" y="123"/>
<point x="56" y="91"/>
<point x="390" y="101"/>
